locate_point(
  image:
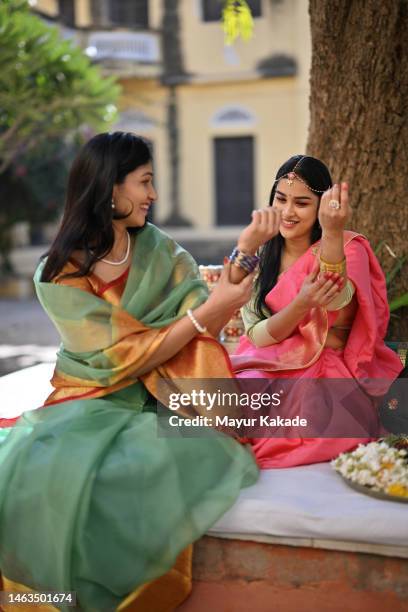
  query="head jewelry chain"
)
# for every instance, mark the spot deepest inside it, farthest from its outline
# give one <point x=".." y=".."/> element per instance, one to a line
<point x="291" y="176"/>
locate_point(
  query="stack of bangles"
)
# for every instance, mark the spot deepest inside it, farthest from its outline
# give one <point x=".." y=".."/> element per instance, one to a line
<point x="244" y="261"/>
<point x="340" y="267"/>
<point x="239" y="259"/>
<point x="346" y="294"/>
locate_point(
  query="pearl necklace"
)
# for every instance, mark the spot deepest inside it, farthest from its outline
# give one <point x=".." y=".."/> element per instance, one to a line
<point x="122" y="261"/>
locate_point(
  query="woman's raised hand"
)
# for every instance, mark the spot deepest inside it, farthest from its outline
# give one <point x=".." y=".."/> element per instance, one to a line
<point x="228" y="296"/>
<point x="319" y="291"/>
<point x="334" y="209"/>
<point x="264" y="226"/>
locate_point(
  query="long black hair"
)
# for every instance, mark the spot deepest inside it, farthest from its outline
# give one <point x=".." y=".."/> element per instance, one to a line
<point x="317" y="176"/>
<point x="102" y="162"/>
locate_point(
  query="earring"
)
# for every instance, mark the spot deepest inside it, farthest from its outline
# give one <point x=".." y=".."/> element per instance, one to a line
<point x="113" y="204"/>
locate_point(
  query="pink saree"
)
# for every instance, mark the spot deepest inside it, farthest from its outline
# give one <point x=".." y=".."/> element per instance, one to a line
<point x="303" y="355"/>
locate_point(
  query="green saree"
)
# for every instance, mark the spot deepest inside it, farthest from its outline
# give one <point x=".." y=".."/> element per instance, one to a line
<point x="93" y="498"/>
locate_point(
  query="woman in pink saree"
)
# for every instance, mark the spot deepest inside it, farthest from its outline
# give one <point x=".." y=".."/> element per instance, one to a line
<point x="298" y="325"/>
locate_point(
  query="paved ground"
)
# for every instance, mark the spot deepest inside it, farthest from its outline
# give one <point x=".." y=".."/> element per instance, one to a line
<point x="26" y="335"/>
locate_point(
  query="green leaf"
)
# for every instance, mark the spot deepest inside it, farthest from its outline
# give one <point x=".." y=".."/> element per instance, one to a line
<point x="399" y="302"/>
<point x="378" y="247"/>
<point x="389" y="277"/>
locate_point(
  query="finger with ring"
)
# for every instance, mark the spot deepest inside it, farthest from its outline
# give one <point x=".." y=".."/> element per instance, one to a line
<point x="335" y="204"/>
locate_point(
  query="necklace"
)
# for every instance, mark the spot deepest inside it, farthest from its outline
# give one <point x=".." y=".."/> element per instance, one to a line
<point x="122" y="261"/>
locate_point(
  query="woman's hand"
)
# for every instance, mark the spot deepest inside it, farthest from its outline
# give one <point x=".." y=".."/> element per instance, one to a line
<point x="318" y="291"/>
<point x="227" y="296"/>
<point x="331" y="218"/>
<point x="264" y="226"/>
<point x="213" y="314"/>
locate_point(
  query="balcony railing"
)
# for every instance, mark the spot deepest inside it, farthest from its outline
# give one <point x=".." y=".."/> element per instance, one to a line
<point x="142" y="47"/>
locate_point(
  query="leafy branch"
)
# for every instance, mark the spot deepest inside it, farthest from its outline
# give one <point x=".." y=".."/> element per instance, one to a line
<point x="237" y="21"/>
<point x="48" y="86"/>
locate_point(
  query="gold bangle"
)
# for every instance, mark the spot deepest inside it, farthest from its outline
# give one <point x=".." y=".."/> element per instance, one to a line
<point x="346" y="293"/>
<point x="326" y="266"/>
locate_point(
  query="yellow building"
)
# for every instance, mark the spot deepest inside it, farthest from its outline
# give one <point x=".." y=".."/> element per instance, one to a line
<point x="221" y="119"/>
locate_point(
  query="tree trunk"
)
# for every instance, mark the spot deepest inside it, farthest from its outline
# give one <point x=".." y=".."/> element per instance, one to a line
<point x="359" y="118"/>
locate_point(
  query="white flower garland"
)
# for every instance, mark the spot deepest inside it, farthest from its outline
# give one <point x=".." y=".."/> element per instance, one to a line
<point x="376" y="465"/>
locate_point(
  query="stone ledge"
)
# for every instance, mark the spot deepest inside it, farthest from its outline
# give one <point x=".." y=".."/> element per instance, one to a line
<point x="237" y="576"/>
<point x="335" y="545"/>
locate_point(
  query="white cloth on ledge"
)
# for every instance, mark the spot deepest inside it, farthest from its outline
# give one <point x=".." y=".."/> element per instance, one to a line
<point x="313" y="501"/>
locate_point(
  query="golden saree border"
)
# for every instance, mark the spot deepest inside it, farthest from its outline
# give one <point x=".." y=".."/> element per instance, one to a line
<point x="162" y="594"/>
<point x="128" y="354"/>
<point x="16" y="587"/>
<point x="294" y="358"/>
<point x="111" y="291"/>
<point x="67" y="393"/>
<point x="165" y="593"/>
<point x="202" y="358"/>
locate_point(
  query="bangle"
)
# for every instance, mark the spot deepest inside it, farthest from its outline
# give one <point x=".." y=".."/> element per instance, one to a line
<point x="244" y="261"/>
<point x="194" y="321"/>
<point x="343" y="298"/>
<point x="340" y="267"/>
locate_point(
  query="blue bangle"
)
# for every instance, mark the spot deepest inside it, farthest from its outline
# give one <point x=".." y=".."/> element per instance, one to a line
<point x="244" y="261"/>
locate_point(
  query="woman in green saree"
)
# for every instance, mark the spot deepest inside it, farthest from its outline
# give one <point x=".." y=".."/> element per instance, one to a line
<point x="92" y="498"/>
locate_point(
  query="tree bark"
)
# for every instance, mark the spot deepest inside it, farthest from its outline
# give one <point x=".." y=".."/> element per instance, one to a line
<point x="359" y="118"/>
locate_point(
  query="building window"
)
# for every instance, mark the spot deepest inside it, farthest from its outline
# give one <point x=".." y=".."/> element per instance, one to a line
<point x="233" y="116"/>
<point x="129" y="13"/>
<point x="212" y="9"/>
<point x="66" y="10"/>
<point x="234" y="180"/>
